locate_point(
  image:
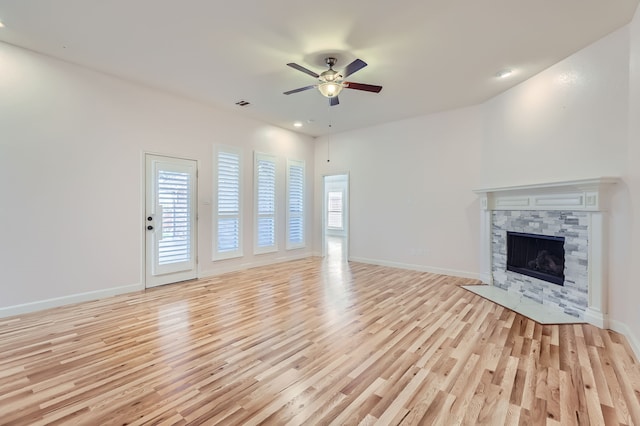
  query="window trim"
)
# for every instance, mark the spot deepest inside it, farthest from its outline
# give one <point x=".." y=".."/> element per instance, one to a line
<point x="341" y="211"/>
<point x="289" y="244"/>
<point x="217" y="255"/>
<point x="259" y="156"/>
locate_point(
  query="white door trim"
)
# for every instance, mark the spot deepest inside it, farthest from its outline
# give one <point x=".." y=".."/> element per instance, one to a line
<point x="154" y="275"/>
<point x="346" y="210"/>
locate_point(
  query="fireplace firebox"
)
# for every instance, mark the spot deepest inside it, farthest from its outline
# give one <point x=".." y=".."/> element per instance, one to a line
<point x="537" y="256"/>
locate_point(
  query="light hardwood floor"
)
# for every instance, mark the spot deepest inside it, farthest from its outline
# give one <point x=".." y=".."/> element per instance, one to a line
<point x="310" y="342"/>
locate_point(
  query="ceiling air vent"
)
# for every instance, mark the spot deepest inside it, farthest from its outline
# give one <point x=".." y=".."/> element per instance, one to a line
<point x="243" y="103"/>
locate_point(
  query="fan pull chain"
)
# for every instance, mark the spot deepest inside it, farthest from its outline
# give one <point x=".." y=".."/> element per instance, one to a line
<point x="328" y="143"/>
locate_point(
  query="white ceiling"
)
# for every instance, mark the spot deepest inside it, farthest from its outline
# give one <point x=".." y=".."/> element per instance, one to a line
<point x="430" y="55"/>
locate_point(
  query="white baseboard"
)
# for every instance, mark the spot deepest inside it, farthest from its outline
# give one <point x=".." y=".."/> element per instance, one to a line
<point x="223" y="268"/>
<point x="623" y="329"/>
<point x="39" y="305"/>
<point x="25" y="308"/>
<point x="55" y="302"/>
<point x="421" y="268"/>
<point x="595" y="317"/>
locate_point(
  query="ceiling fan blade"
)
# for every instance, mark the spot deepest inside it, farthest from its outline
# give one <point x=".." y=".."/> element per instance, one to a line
<point x="362" y="86"/>
<point x="303" y="69"/>
<point x="333" y="101"/>
<point x="302" y="89"/>
<point x="354" y="66"/>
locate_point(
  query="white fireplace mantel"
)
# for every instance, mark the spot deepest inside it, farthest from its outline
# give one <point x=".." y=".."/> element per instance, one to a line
<point x="580" y="195"/>
<point x="587" y="195"/>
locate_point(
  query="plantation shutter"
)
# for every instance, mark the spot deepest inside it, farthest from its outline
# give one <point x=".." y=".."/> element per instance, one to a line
<point x="295" y="212"/>
<point x="173" y="189"/>
<point x="334" y="210"/>
<point x="228" y="215"/>
<point x="265" y="172"/>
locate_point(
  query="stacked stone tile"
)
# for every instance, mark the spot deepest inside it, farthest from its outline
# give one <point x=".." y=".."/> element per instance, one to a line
<point x="574" y="226"/>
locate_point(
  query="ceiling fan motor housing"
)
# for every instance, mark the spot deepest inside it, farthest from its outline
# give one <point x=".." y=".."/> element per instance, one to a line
<point x="330" y="74"/>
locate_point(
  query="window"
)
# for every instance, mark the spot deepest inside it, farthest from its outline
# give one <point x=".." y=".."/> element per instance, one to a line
<point x="265" y="203"/>
<point x="227" y="212"/>
<point x="295" y="204"/>
<point x="334" y="210"/>
<point x="174" y="203"/>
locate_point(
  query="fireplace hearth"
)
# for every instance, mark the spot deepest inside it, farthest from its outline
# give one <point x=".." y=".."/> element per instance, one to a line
<point x="537" y="256"/>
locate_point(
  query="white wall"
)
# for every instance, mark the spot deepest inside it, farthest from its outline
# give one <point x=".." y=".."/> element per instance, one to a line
<point x="410" y="184"/>
<point x="71" y="167"/>
<point x="72" y="143"/>
<point x="411" y="181"/>
<point x="569" y="122"/>
<point x="630" y="296"/>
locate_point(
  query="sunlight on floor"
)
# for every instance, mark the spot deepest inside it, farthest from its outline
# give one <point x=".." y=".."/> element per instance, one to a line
<point x="336" y="250"/>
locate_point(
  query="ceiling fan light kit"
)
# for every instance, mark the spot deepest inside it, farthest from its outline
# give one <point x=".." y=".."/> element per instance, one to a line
<point x="331" y="82"/>
<point x="330" y="89"/>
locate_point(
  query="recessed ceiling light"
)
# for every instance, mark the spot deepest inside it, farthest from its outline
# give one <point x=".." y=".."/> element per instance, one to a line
<point x="1" y="24"/>
<point x="297" y="124"/>
<point x="504" y="73"/>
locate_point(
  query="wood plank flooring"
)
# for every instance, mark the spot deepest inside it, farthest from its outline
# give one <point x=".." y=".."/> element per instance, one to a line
<point x="311" y="342"/>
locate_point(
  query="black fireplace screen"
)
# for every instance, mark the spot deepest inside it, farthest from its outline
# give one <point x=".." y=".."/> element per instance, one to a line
<point x="538" y="256"/>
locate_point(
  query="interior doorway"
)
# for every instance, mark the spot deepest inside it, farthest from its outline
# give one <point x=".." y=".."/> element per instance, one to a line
<point x="335" y="223"/>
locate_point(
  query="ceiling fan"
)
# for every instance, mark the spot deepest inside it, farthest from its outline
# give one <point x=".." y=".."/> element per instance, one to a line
<point x="331" y="82"/>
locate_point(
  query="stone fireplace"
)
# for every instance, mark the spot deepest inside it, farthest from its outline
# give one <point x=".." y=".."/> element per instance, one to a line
<point x="571" y="296"/>
<point x="566" y="270"/>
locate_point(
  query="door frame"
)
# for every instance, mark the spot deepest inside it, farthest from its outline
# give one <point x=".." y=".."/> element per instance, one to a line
<point x="143" y="211"/>
<point x="346" y="211"/>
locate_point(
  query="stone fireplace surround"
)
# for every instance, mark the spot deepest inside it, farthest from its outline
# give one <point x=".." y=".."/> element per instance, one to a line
<point x="574" y="209"/>
<point x="571" y="298"/>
